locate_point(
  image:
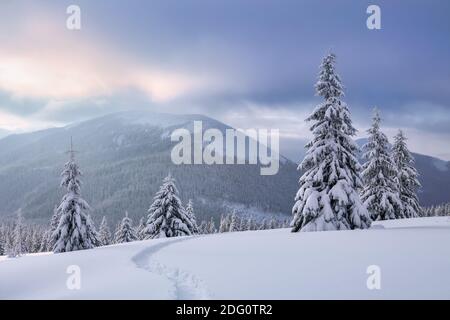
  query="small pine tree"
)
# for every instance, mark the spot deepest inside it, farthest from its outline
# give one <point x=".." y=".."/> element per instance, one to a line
<point x="190" y="213"/>
<point x="140" y="229"/>
<point x="407" y="177"/>
<point x="249" y="225"/>
<point x="9" y="243"/>
<point x="273" y="224"/>
<point x="126" y="233"/>
<point x="28" y="237"/>
<point x="104" y="233"/>
<point x="234" y="223"/>
<point x="263" y="225"/>
<point x="203" y="228"/>
<point x="18" y="244"/>
<point x="2" y="240"/>
<point x="380" y="193"/>
<point x="166" y="216"/>
<point x="328" y="197"/>
<point x="37" y="241"/>
<point x="224" y="223"/>
<point x="212" y="226"/>
<point x="75" y="230"/>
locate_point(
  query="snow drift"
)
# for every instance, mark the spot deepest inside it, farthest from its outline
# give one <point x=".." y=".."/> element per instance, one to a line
<point x="413" y="256"/>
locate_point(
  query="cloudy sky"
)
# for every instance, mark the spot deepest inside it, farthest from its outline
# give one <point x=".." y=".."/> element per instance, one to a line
<point x="249" y="63"/>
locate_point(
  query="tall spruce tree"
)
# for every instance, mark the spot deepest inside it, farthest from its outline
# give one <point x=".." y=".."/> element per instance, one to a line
<point x="328" y="197"/>
<point x="126" y="232"/>
<point x="407" y="177"/>
<point x="166" y="216"/>
<point x="75" y="230"/>
<point x="380" y="193"/>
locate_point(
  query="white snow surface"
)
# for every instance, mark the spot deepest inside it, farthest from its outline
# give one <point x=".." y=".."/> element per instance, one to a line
<point x="413" y="256"/>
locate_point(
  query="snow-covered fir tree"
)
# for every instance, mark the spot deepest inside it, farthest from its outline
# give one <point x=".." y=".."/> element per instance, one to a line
<point x="18" y="243"/>
<point x="104" y="234"/>
<point x="224" y="223"/>
<point x="249" y="224"/>
<point x="75" y="230"/>
<point x="407" y="177"/>
<point x="36" y="241"/>
<point x="328" y="197"/>
<point x="166" y="216"/>
<point x="273" y="224"/>
<point x="233" y="223"/>
<point x="28" y="236"/>
<point x="126" y="232"/>
<point x="140" y="229"/>
<point x="203" y="227"/>
<point x="2" y="240"/>
<point x="263" y="225"/>
<point x="380" y="193"/>
<point x="9" y="241"/>
<point x="212" y="226"/>
<point x="191" y="215"/>
<point x="47" y="241"/>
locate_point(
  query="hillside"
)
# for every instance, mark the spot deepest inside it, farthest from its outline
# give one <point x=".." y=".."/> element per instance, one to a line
<point x="274" y="264"/>
<point x="124" y="157"/>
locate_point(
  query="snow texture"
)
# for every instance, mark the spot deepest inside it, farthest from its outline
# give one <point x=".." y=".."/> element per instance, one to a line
<point x="245" y="265"/>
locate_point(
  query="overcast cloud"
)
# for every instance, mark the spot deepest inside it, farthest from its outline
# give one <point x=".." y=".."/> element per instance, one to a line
<point x="248" y="63"/>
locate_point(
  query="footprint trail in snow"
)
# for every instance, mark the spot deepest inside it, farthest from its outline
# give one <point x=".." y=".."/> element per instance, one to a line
<point x="186" y="286"/>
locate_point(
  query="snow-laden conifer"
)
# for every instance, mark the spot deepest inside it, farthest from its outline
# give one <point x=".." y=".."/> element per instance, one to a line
<point x="380" y="193"/>
<point x="234" y="223"/>
<point x="75" y="230"/>
<point x="211" y="226"/>
<point x="125" y="232"/>
<point x="166" y="216"/>
<point x="104" y="233"/>
<point x="224" y="223"/>
<point x="48" y="241"/>
<point x="18" y="240"/>
<point x="328" y="197"/>
<point x="203" y="227"/>
<point x="140" y="229"/>
<point x="250" y="225"/>
<point x="3" y="235"/>
<point x="407" y="177"/>
<point x="190" y="213"/>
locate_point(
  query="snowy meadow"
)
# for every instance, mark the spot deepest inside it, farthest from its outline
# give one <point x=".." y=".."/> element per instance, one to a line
<point x="357" y="230"/>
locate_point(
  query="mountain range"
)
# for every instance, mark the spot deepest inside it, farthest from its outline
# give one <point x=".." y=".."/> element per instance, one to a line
<point x="124" y="157"/>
